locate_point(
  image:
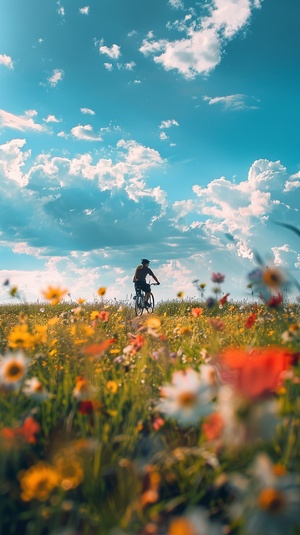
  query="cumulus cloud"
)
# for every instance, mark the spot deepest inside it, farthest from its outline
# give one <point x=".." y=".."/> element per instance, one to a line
<point x="96" y="214"/>
<point x="233" y="102"/>
<point x="6" y="61"/>
<point x="87" y="111"/>
<point x="201" y="51"/>
<point x="52" y="119"/>
<point x="20" y="122"/>
<point x="168" y="123"/>
<point x="85" y="132"/>
<point x="12" y="160"/>
<point x="176" y="4"/>
<point x="163" y="136"/>
<point x="84" y="10"/>
<point x="108" y="66"/>
<point x="113" y="52"/>
<point x="56" y="76"/>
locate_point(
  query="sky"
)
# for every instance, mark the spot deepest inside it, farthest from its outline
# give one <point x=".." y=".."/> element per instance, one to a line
<point x="159" y="129"/>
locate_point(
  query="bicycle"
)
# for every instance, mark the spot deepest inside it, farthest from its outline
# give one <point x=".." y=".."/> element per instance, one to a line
<point x="140" y="301"/>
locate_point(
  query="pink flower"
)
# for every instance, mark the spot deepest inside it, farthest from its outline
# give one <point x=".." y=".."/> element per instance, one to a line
<point x="217" y="278"/>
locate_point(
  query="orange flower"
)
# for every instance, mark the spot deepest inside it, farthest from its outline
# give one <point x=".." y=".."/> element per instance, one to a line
<point x="103" y="315"/>
<point x="196" y="312"/>
<point x="54" y="294"/>
<point x="97" y="350"/>
<point x="257" y="372"/>
<point x="20" y="435"/>
<point x="137" y="342"/>
<point x="216" y="324"/>
<point x="213" y="426"/>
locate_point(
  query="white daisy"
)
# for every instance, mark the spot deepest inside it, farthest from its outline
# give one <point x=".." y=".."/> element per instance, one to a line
<point x="187" y="399"/>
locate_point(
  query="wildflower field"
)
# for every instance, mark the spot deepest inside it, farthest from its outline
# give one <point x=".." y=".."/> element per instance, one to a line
<point x="180" y="422"/>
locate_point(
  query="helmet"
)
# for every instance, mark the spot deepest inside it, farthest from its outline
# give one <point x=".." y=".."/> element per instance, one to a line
<point x="145" y="261"/>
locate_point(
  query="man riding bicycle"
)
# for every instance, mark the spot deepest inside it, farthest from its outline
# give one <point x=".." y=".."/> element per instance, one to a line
<point x="140" y="275"/>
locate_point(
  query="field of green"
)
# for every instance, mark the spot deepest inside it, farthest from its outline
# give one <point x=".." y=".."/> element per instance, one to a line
<point x="180" y="422"/>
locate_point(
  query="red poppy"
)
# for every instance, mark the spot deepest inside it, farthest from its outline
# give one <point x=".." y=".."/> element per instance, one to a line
<point x="257" y="372"/>
<point x="250" y="320"/>
<point x="223" y="299"/>
<point x="275" y="300"/>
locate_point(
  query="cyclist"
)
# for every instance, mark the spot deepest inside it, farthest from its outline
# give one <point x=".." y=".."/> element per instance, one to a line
<point x="140" y="275"/>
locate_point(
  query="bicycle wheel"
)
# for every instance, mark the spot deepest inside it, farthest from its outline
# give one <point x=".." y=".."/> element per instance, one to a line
<point x="151" y="302"/>
<point x="139" y="308"/>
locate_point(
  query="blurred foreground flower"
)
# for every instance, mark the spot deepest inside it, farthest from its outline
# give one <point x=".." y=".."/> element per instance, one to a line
<point x="101" y="291"/>
<point x="187" y="399"/>
<point x="269" y="503"/>
<point x="217" y="278"/>
<point x="16" y="436"/>
<point x="13" y="368"/>
<point x="35" y="389"/>
<point x="194" y="522"/>
<point x="38" y="482"/>
<point x="54" y="294"/>
<point x="256" y="372"/>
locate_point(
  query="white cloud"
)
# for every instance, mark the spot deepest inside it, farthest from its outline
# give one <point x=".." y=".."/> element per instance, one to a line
<point x="201" y="51"/>
<point x="12" y="159"/>
<point x="87" y="111"/>
<point x="20" y="122"/>
<point x="113" y="52"/>
<point x="233" y="102"/>
<point x="108" y="66"/>
<point x="129" y="66"/>
<point x="176" y="4"/>
<point x="168" y="123"/>
<point x="137" y="82"/>
<point x="61" y="9"/>
<point x="56" y="76"/>
<point x="6" y="61"/>
<point x="293" y="182"/>
<point x="163" y="136"/>
<point x="85" y="132"/>
<point x="52" y="119"/>
<point x="31" y="113"/>
<point x="84" y="10"/>
<point x="63" y="134"/>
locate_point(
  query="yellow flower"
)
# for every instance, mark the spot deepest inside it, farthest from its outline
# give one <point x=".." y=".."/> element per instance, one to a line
<point x="14" y="291"/>
<point x="13" y="368"/>
<point x="180" y="295"/>
<point x="54" y="294"/>
<point x="38" y="482"/>
<point x="53" y="321"/>
<point x="101" y="291"/>
<point x="273" y="277"/>
<point x="80" y="301"/>
<point x="153" y="322"/>
<point x="20" y="337"/>
<point x="112" y="386"/>
<point x="40" y="334"/>
<point x="70" y="470"/>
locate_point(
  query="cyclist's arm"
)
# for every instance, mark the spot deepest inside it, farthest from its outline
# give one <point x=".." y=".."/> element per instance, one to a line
<point x="153" y="276"/>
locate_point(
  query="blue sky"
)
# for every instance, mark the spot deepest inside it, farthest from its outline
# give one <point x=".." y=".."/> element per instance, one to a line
<point x="134" y="129"/>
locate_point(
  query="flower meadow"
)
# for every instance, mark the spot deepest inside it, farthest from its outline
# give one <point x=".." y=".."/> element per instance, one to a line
<point x="180" y="422"/>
